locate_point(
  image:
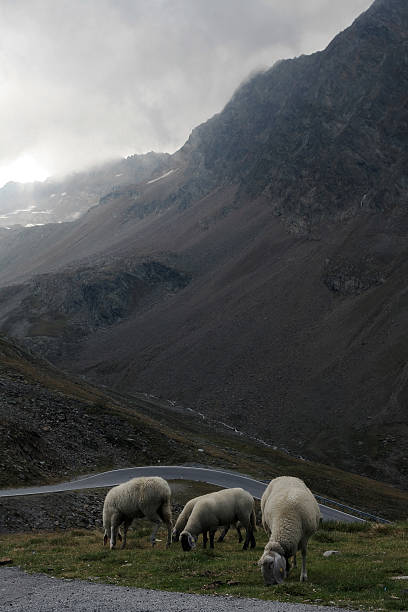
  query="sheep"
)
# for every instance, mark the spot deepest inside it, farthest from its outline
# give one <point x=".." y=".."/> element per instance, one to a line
<point x="137" y="498"/>
<point x="220" y="508"/>
<point x="290" y="515"/>
<point x="185" y="515"/>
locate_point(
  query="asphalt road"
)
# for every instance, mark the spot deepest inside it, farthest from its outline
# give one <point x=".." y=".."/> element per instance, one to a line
<point x="215" y="477"/>
<point x="20" y="592"/>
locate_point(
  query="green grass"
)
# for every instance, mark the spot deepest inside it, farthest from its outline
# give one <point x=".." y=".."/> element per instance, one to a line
<point x="361" y="576"/>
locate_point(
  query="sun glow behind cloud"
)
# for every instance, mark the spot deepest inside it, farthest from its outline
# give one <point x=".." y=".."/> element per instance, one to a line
<point x="24" y="169"/>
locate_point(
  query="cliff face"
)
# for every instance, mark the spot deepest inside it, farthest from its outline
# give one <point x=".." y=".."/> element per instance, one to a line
<point x="283" y="224"/>
<point x="321" y="136"/>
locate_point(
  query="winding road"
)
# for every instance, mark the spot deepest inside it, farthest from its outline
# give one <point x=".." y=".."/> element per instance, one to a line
<point x="172" y="472"/>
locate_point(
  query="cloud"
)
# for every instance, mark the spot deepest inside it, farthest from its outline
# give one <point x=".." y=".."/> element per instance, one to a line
<point x="87" y="80"/>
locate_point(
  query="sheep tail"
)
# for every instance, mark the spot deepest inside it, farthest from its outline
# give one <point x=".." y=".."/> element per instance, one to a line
<point x="165" y="512"/>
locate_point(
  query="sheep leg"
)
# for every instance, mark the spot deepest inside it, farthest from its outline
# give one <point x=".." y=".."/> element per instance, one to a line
<point x="127" y="523"/>
<point x="154" y="533"/>
<point x="303" y="574"/>
<point x="223" y="534"/>
<point x="205" y="539"/>
<point x="115" y="522"/>
<point x="212" y="534"/>
<point x="248" y="538"/>
<point x="252" y="539"/>
<point x="164" y="513"/>
<point x="240" y="538"/>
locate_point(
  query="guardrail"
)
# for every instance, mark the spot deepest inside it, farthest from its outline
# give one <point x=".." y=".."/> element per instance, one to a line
<point x="361" y="513"/>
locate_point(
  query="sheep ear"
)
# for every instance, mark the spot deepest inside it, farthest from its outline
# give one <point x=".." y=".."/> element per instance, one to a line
<point x="191" y="541"/>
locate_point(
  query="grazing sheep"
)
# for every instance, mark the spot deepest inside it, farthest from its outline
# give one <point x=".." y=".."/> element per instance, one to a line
<point x="147" y="497"/>
<point x="218" y="509"/>
<point x="185" y="515"/>
<point x="290" y="515"/>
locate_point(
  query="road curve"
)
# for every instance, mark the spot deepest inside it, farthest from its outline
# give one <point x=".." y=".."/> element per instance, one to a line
<point x="169" y="472"/>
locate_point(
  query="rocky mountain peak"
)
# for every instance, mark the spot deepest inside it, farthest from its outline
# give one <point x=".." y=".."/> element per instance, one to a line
<point x="318" y="135"/>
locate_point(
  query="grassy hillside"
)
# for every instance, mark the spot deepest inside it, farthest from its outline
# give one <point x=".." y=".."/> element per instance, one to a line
<point x="53" y="427"/>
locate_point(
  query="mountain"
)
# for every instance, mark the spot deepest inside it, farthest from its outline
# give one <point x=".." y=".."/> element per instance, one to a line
<point x="261" y="278"/>
<point x="320" y="136"/>
<point x="66" y="199"/>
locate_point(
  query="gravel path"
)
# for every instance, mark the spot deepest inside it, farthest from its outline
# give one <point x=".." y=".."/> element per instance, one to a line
<point x="24" y="592"/>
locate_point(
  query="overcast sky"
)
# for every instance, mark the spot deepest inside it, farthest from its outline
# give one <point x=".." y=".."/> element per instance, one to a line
<point x="87" y="80"/>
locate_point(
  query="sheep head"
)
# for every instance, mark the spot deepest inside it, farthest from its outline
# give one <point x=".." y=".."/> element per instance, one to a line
<point x="273" y="568"/>
<point x="188" y="541"/>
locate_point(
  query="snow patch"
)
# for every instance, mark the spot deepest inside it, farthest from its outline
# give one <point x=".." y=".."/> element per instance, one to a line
<point x="33" y="224"/>
<point x="53" y="195"/>
<point x="64" y="193"/>
<point x="21" y="210"/>
<point x="120" y="174"/>
<point x="159" y="178"/>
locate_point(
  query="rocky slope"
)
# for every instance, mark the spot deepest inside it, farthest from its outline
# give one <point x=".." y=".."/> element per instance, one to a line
<point x="53" y="427"/>
<point x="287" y="214"/>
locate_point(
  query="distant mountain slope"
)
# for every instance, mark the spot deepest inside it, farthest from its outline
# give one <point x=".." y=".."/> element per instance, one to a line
<point x="66" y="199"/>
<point x="287" y="213"/>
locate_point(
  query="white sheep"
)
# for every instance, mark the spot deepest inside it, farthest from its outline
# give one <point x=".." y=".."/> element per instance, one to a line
<point x="185" y="515"/>
<point x="147" y="497"/>
<point x="218" y="509"/>
<point x="290" y="515"/>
